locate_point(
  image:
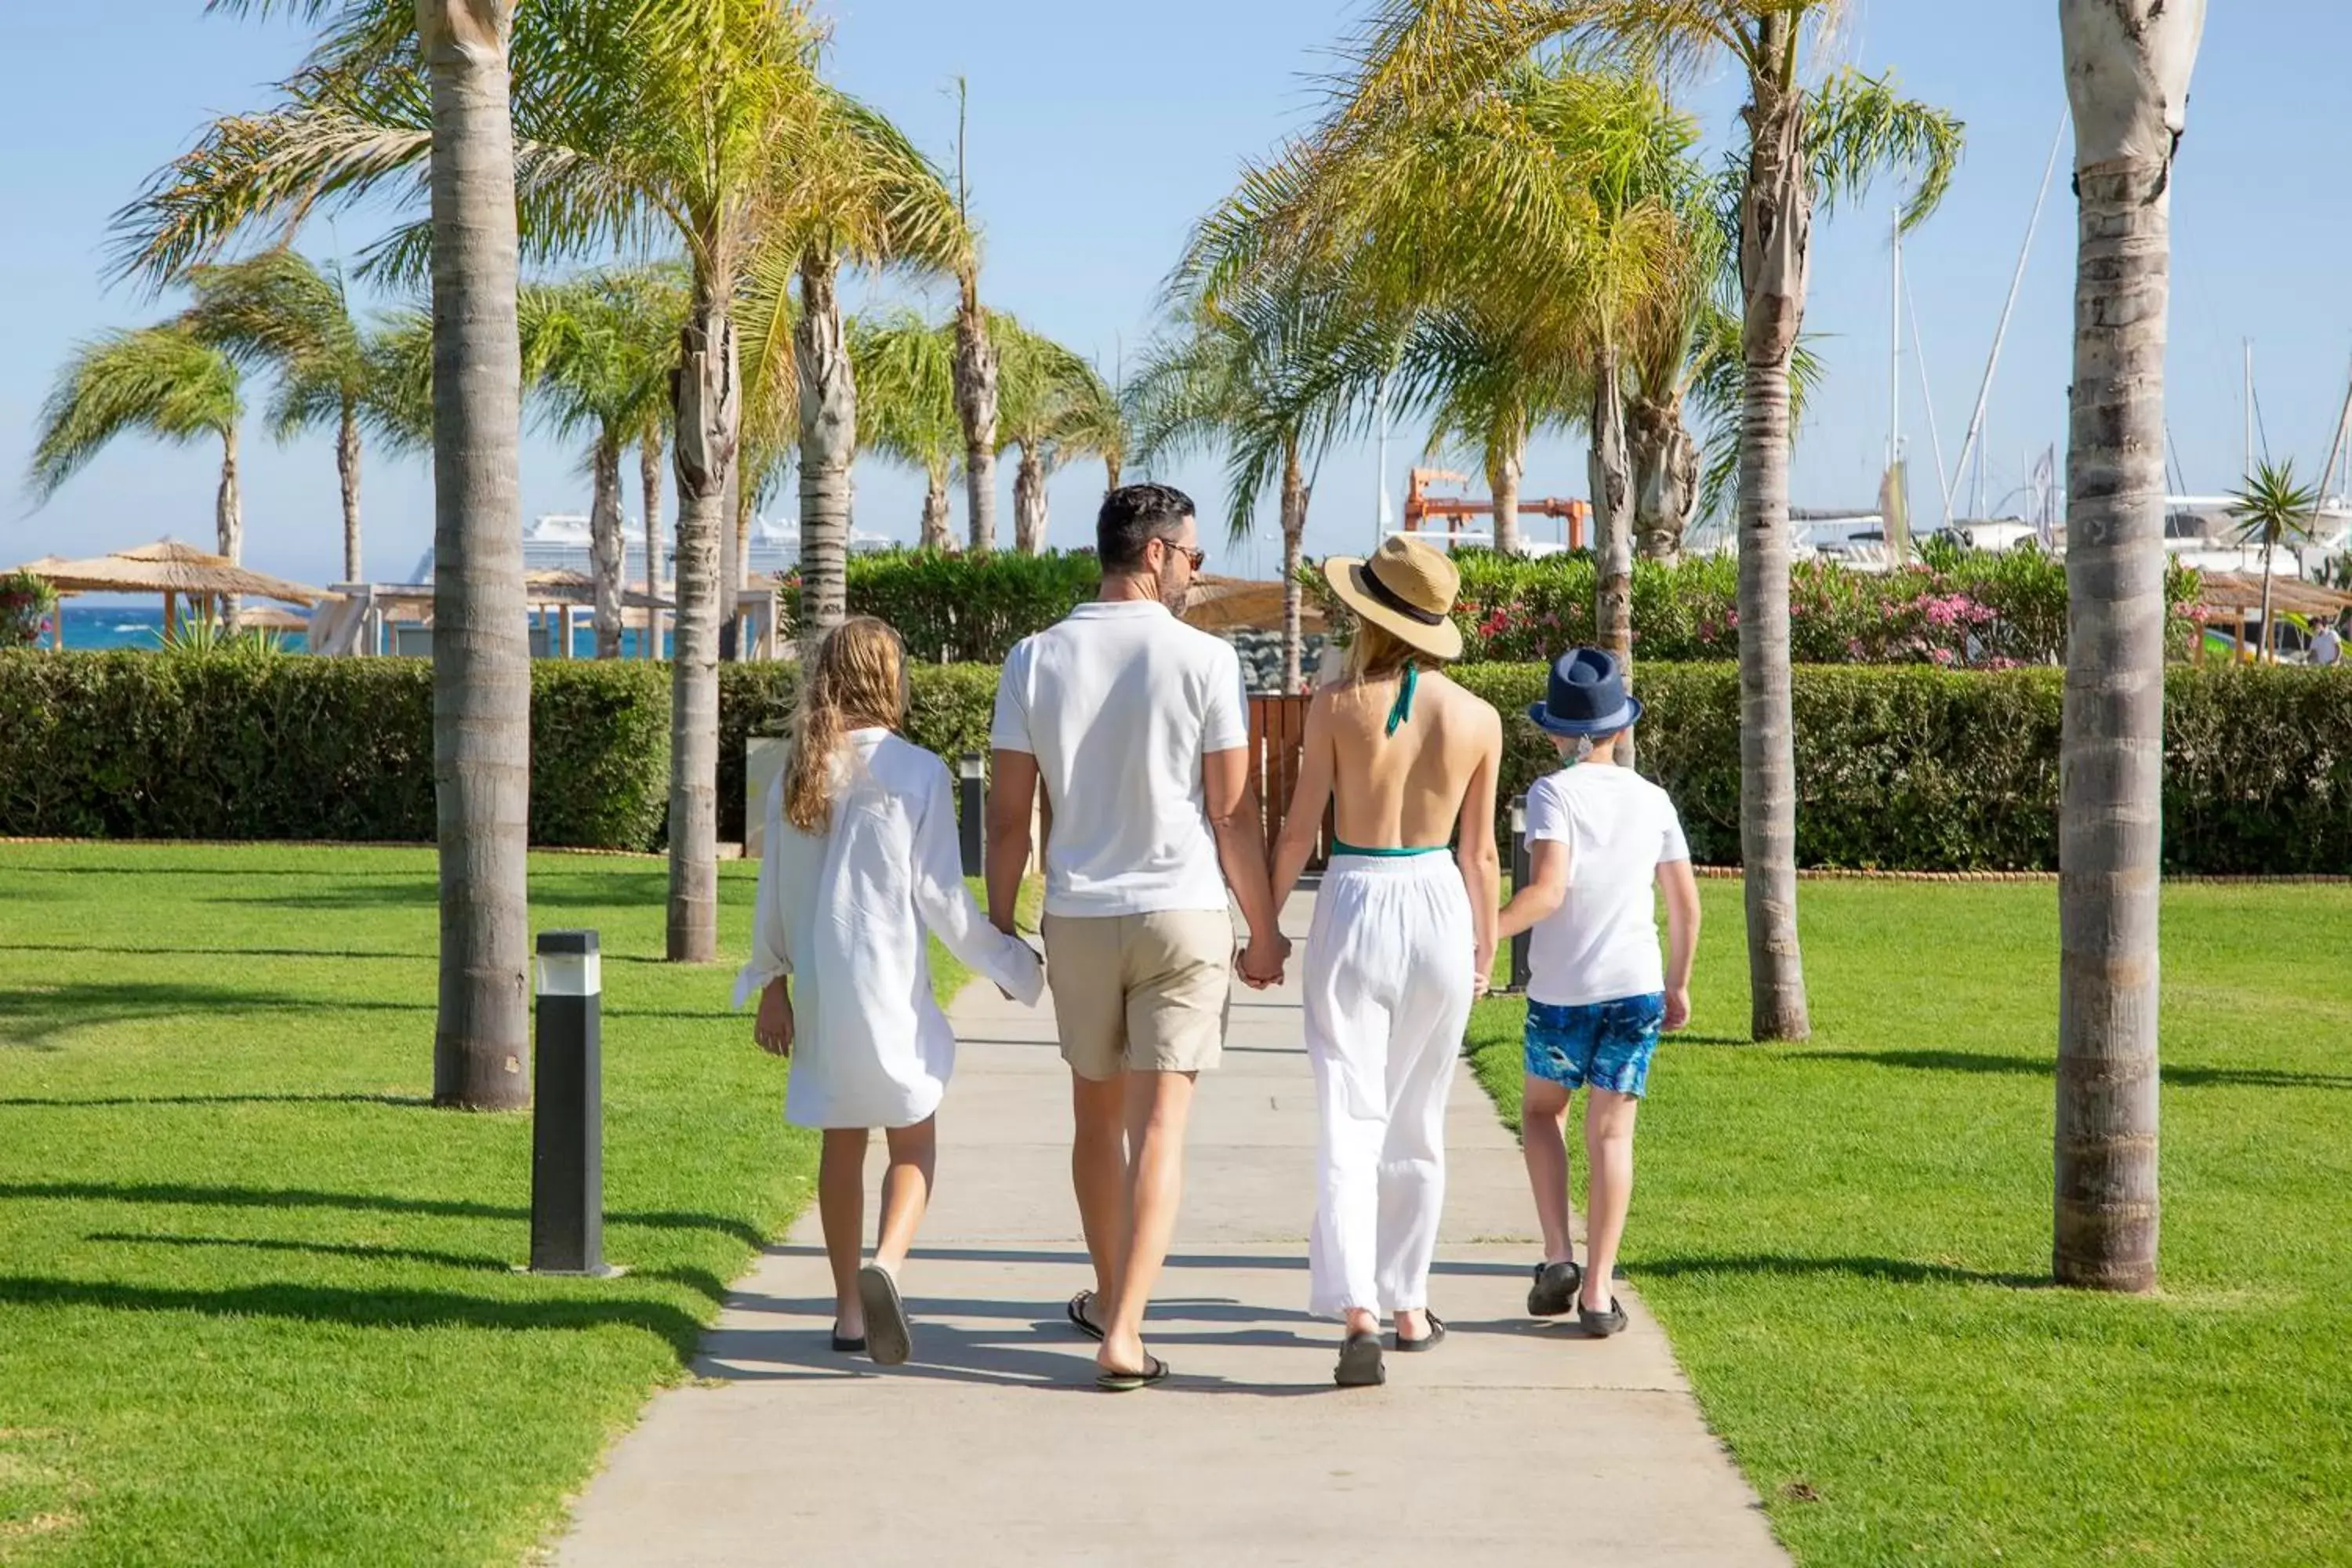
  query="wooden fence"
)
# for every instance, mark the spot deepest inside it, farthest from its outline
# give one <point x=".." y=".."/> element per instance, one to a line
<point x="1278" y="736"/>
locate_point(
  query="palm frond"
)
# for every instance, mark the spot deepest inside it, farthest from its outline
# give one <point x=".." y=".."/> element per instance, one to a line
<point x="164" y="381"/>
<point x="1859" y="129"/>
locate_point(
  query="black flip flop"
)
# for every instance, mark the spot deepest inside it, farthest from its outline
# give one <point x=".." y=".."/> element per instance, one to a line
<point x="1556" y="1288"/>
<point x="1359" y="1363"/>
<point x="1427" y="1342"/>
<point x="849" y="1344"/>
<point x="1600" y="1325"/>
<point x="1078" y="1319"/>
<point x="1154" y="1370"/>
<point x="890" y="1340"/>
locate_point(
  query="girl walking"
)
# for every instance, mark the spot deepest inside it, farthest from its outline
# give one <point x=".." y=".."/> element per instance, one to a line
<point x="861" y="861"/>
<point x="1403" y="939"/>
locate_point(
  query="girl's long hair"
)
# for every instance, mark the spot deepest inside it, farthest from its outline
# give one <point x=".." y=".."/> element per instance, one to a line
<point x="856" y="679"/>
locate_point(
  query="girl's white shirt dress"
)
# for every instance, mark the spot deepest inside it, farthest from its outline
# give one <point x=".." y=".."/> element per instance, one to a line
<point x="845" y="913"/>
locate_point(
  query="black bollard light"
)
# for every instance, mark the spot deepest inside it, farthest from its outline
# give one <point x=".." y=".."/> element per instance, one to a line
<point x="1521" y="870"/>
<point x="972" y="808"/>
<point x="567" y="1128"/>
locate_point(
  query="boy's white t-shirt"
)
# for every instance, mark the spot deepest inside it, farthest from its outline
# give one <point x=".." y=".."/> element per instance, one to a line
<point x="1601" y="943"/>
<point x="1120" y="702"/>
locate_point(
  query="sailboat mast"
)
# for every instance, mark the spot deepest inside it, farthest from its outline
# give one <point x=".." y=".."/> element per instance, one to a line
<point x="2246" y="396"/>
<point x="1895" y="349"/>
<point x="1973" y="442"/>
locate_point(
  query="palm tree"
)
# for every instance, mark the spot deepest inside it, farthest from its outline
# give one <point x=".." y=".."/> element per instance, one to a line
<point x="2128" y="70"/>
<point x="600" y="350"/>
<point x="1270" y="376"/>
<point x="906" y="382"/>
<point x="629" y="121"/>
<point x="975" y="362"/>
<point x="1051" y="404"/>
<point x="859" y="194"/>
<point x="164" y="382"/>
<point x="2272" y="510"/>
<point x="1419" y="57"/>
<point x="281" y="309"/>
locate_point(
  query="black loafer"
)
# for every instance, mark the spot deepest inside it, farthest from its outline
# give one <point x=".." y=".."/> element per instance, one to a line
<point x="1556" y="1288"/>
<point x="1600" y="1325"/>
<point x="1359" y="1363"/>
<point x="846" y="1345"/>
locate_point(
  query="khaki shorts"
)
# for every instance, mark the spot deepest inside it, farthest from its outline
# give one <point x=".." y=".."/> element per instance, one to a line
<point x="1140" y="993"/>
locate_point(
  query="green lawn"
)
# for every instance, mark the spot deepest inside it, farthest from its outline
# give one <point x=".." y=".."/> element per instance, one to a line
<point x="256" y="1296"/>
<point x="1847" y="1240"/>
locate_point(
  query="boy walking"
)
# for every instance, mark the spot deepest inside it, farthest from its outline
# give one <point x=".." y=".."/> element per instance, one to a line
<point x="1599" y="836"/>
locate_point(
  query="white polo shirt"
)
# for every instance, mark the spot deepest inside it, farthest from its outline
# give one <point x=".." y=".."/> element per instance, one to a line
<point x="1601" y="943"/>
<point x="1120" y="702"/>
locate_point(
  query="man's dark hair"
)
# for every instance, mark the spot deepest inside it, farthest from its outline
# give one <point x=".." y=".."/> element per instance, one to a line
<point x="1134" y="515"/>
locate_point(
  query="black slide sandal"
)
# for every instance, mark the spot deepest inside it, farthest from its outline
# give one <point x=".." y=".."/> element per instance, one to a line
<point x="1078" y="1319"/>
<point x="849" y="1344"/>
<point x="1154" y="1370"/>
<point x="1359" y="1363"/>
<point x="1427" y="1342"/>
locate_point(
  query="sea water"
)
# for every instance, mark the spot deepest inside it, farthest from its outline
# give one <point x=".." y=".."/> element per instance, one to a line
<point x="90" y="627"/>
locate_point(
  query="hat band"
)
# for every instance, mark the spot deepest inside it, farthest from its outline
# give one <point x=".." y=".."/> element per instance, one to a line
<point x="1388" y="598"/>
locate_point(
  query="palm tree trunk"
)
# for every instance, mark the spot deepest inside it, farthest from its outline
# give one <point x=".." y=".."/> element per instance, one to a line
<point x="228" y="519"/>
<point x="605" y="544"/>
<point x="2127" y="69"/>
<point x="1505" y="465"/>
<point x="703" y="451"/>
<point x="1294" y="541"/>
<point x="347" y="469"/>
<point x="2265" y="653"/>
<point x="1029" y="501"/>
<point x="935" y="510"/>
<point x="1776" y="232"/>
<point x="1610" y="471"/>
<point x="649" y="474"/>
<point x="1110" y="472"/>
<point x="976" y="396"/>
<point x="1665" y="478"/>
<point x="828" y="414"/>
<point x="481" y="652"/>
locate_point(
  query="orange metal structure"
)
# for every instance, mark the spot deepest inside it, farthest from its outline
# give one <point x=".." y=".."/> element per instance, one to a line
<point x="1421" y="506"/>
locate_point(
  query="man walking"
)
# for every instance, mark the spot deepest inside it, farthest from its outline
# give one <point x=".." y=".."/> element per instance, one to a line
<point x="1138" y="727"/>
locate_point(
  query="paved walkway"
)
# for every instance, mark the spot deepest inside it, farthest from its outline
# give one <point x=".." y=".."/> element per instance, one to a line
<point x="992" y="1445"/>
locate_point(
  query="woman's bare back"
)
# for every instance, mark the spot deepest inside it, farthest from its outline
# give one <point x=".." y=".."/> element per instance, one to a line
<point x="1406" y="789"/>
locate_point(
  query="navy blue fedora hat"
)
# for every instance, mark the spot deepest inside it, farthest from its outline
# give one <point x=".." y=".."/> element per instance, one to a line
<point x="1587" y="695"/>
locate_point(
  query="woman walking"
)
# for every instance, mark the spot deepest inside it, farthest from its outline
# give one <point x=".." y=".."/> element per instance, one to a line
<point x="1403" y="939"/>
<point x="861" y="861"/>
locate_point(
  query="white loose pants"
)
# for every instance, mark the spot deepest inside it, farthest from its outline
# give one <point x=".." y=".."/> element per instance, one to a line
<point x="1388" y="981"/>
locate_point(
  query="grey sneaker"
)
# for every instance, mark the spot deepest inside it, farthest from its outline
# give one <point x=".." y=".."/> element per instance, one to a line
<point x="1555" y="1289"/>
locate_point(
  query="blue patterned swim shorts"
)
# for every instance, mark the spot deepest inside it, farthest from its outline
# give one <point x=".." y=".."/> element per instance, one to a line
<point x="1607" y="1045"/>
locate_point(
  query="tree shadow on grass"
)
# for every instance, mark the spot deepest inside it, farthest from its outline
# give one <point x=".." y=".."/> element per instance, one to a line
<point x="373" y="1203"/>
<point x="701" y="1281"/>
<point x="132" y="951"/>
<point x="375" y="1307"/>
<point x="35" y="1016"/>
<point x="2175" y="1075"/>
<point x="398" y="1102"/>
<point x="1886" y="1271"/>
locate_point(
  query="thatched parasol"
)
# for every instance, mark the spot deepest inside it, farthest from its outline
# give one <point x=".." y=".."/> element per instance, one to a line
<point x="1236" y="603"/>
<point x="169" y="567"/>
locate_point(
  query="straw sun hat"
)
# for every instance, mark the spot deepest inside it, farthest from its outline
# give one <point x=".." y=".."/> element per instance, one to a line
<point x="1406" y="589"/>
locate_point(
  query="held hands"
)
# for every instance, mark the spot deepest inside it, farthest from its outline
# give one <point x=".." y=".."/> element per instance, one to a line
<point x="1678" y="1009"/>
<point x="1262" y="963"/>
<point x="774" y="1026"/>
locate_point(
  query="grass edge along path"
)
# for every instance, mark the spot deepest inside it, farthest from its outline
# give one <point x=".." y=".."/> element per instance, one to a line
<point x="1847" y="1240"/>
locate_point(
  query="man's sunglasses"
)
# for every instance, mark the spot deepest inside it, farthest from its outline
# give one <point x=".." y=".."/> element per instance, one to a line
<point x="1197" y="556"/>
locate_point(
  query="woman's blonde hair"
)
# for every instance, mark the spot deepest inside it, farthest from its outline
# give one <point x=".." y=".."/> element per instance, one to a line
<point x="856" y="679"/>
<point x="1377" y="651"/>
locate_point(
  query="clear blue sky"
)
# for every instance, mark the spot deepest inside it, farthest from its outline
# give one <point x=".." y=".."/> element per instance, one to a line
<point x="1100" y="131"/>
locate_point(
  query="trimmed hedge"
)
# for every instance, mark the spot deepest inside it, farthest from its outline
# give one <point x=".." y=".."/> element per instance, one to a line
<point x="1898" y="768"/>
<point x="949" y="708"/>
<point x="130" y="745"/>
<point x="1959" y="607"/>
<point x="967" y="608"/>
<point x="1908" y="768"/>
